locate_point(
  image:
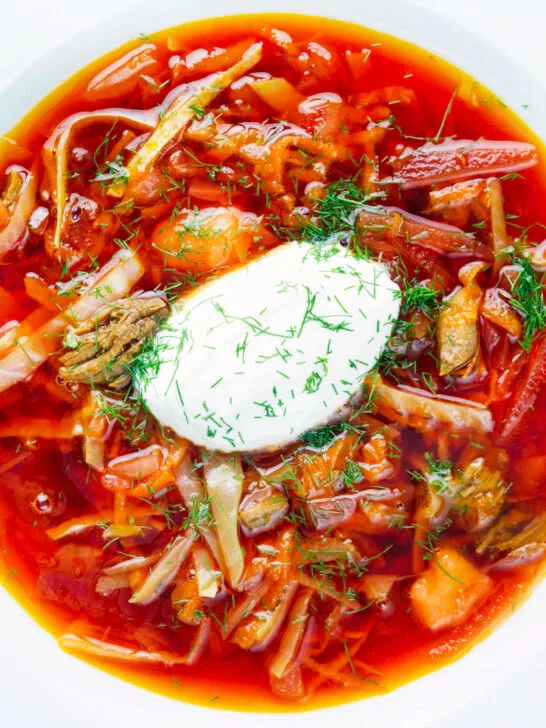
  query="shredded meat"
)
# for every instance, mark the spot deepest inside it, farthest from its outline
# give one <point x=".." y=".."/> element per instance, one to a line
<point x="519" y="528"/>
<point x="102" y="346"/>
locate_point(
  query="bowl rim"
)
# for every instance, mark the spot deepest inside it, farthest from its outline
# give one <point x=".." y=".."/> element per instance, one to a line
<point x="416" y="704"/>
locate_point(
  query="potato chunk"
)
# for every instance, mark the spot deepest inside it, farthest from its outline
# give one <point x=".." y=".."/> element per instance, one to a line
<point x="450" y="589"/>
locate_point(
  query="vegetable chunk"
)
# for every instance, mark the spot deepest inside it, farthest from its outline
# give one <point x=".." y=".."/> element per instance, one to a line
<point x="449" y="591"/>
<point x="458" y="323"/>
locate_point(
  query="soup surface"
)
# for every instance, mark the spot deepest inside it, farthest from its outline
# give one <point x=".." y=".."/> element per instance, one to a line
<point x="336" y="559"/>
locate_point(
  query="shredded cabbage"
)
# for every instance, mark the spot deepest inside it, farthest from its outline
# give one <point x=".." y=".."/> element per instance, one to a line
<point x="224" y="479"/>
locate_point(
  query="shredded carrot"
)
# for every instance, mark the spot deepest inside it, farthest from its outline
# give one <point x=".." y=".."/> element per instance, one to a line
<point x="137" y="579"/>
<point x="37" y="289"/>
<point x="120" y="506"/>
<point x="156" y="212"/>
<point x="204" y="189"/>
<point x="322" y="587"/>
<point x="366" y="666"/>
<point x="125" y="139"/>
<point x="331" y="670"/>
<point x="164" y="478"/>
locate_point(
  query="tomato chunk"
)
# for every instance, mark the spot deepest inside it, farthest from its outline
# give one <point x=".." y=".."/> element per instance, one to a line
<point x="202" y="240"/>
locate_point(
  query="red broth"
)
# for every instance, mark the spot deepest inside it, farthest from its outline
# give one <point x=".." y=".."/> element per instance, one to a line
<point x="45" y="481"/>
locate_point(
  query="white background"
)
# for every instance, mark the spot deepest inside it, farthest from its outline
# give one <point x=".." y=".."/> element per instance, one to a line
<point x="518" y="28"/>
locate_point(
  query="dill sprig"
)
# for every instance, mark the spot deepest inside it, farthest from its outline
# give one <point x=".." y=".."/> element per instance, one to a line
<point x="416" y="297"/>
<point x="199" y="517"/>
<point x="439" y="472"/>
<point x="320" y="437"/>
<point x="336" y="212"/>
<point x="528" y="299"/>
<point x="145" y="366"/>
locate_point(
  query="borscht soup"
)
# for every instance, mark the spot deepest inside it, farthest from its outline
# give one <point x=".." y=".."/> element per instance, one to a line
<point x="272" y="359"/>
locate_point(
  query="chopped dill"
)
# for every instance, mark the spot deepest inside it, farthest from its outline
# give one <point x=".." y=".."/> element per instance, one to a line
<point x="336" y="213"/>
<point x="145" y="366"/>
<point x="320" y="437"/>
<point x="528" y="299"/>
<point x="352" y="474"/>
<point x="416" y="297"/>
<point x="199" y="517"/>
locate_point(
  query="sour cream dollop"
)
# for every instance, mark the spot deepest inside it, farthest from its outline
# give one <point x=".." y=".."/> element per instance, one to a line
<point x="270" y="350"/>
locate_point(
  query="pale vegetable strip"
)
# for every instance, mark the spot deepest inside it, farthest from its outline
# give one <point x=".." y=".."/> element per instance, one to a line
<point x="293" y="634"/>
<point x="99" y="648"/>
<point x="497" y="309"/>
<point x="207" y="575"/>
<point x="244" y="607"/>
<point x="131" y="564"/>
<point x="184" y="110"/>
<point x="57" y="147"/>
<point x="266" y="623"/>
<point x="268" y="630"/>
<point x="424" y="411"/>
<point x="192" y="491"/>
<point x="80" y="524"/>
<point x="113" y="281"/>
<point x="458" y="335"/>
<point x="224" y="479"/>
<point x="106" y="584"/>
<point x="165" y="570"/>
<point x="22" y="210"/>
<point x="499" y="235"/>
<point x="139" y="464"/>
<point x="127" y="530"/>
<point x="89" y="645"/>
<point x="279" y="93"/>
<point x="76" y="526"/>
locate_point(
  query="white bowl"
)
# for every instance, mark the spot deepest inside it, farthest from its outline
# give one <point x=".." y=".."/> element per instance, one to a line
<point x="41" y="685"/>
